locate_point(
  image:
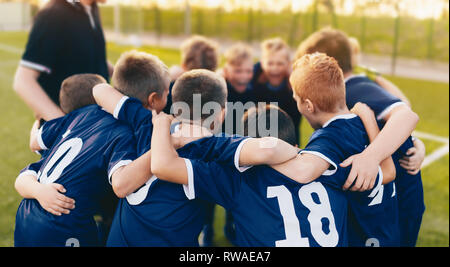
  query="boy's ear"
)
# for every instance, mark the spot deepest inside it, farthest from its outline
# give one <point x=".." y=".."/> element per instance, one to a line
<point x="309" y="106"/>
<point x="152" y="100"/>
<point x="223" y="114"/>
<point x="225" y="71"/>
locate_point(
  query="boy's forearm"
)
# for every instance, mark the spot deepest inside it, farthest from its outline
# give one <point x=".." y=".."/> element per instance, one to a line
<point x="128" y="179"/>
<point x="107" y="97"/>
<point x="303" y="169"/>
<point x="266" y="150"/>
<point x="166" y="164"/>
<point x="34" y="145"/>
<point x="27" y="186"/>
<point x="398" y="128"/>
<point x="371" y="126"/>
<point x="388" y="169"/>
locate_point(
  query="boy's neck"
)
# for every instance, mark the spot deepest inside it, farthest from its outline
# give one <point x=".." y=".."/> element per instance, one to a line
<point x="348" y="74"/>
<point x="192" y="130"/>
<point x="324" y="117"/>
<point x="86" y="2"/>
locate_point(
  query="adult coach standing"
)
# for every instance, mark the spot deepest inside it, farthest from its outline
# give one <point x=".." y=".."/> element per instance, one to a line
<point x="66" y="38"/>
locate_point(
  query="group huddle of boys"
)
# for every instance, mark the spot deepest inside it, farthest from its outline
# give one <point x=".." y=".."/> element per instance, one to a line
<point x="166" y="178"/>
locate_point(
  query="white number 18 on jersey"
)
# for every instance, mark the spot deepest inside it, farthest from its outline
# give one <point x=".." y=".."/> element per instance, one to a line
<point x="317" y="213"/>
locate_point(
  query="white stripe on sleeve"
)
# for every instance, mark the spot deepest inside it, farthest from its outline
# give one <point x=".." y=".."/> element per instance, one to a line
<point x="189" y="189"/>
<point x="39" y="139"/>
<point x="119" y="106"/>
<point x="388" y="109"/>
<point x="237" y="154"/>
<point x="28" y="172"/>
<point x="117" y="166"/>
<point x="35" y="66"/>
<point x="322" y="156"/>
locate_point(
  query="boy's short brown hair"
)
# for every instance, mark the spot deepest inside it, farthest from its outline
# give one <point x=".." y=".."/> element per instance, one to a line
<point x="210" y="86"/>
<point x="199" y="52"/>
<point x="138" y="74"/>
<point x="76" y="91"/>
<point x="238" y="53"/>
<point x="274" y="45"/>
<point x="319" y="78"/>
<point x="256" y="115"/>
<point x="332" y="42"/>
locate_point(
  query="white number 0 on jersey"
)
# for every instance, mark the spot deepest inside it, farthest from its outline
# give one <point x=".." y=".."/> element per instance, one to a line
<point x="317" y="212"/>
<point x="68" y="150"/>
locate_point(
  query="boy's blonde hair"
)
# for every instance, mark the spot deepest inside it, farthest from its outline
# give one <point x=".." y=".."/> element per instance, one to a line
<point x="237" y="54"/>
<point x="271" y="46"/>
<point x="138" y="74"/>
<point x="356" y="50"/>
<point x="199" y="52"/>
<point x="319" y="78"/>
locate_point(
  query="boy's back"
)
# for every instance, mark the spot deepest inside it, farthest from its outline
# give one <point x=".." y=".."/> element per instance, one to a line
<point x="270" y="209"/>
<point x="372" y="214"/>
<point x="409" y="187"/>
<point x="84" y="147"/>
<point x="160" y="213"/>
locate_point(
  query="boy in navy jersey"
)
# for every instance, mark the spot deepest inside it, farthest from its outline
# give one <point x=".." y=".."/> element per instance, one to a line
<point x="64" y="190"/>
<point x="414" y="156"/>
<point x="238" y="73"/>
<point x="154" y="212"/>
<point x="197" y="52"/>
<point x="373" y="216"/>
<point x="270" y="209"/>
<point x="271" y="79"/>
<point x="262" y="115"/>
<point x="394" y="116"/>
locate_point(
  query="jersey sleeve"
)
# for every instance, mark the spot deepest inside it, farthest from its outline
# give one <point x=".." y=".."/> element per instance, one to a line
<point x="378" y="99"/>
<point x="325" y="148"/>
<point x="130" y="111"/>
<point x="213" y="182"/>
<point x="49" y="132"/>
<point x="32" y="169"/>
<point x="44" y="42"/>
<point x="228" y="151"/>
<point x="121" y="152"/>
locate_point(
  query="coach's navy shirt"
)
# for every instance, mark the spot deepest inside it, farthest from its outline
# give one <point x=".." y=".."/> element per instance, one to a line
<point x="63" y="42"/>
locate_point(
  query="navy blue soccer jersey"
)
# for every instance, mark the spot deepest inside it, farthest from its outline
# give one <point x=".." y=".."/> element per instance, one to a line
<point x="373" y="216"/>
<point x="131" y="112"/>
<point x="85" y="147"/>
<point x="409" y="187"/>
<point x="270" y="209"/>
<point x="159" y="213"/>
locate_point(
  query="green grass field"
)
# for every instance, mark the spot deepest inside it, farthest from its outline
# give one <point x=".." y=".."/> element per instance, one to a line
<point x="429" y="99"/>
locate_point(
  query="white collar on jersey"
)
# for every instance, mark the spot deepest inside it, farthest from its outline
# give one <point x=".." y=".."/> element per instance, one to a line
<point x="354" y="76"/>
<point x="87" y="9"/>
<point x="339" y="117"/>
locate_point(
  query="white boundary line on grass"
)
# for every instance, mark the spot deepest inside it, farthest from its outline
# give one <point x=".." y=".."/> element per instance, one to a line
<point x="438" y="153"/>
<point x="11" y="49"/>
